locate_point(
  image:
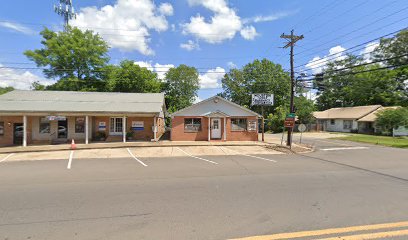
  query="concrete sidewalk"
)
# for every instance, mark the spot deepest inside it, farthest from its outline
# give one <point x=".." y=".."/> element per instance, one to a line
<point x="104" y="145"/>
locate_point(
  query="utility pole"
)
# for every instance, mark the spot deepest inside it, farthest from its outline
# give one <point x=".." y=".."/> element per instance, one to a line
<point x="66" y="10"/>
<point x="292" y="39"/>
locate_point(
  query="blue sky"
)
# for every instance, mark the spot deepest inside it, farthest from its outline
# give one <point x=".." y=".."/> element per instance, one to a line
<point x="211" y="35"/>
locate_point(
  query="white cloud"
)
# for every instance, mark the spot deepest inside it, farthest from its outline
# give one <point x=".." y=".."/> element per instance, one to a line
<point x="126" y="24"/>
<point x="20" y="79"/>
<point x="317" y="64"/>
<point x="249" y="33"/>
<point x="367" y="52"/>
<point x="190" y="45"/>
<point x="197" y="99"/>
<point x="160" y="69"/>
<point x="166" y="9"/>
<point x="211" y="79"/>
<point x="17" y="27"/>
<point x="268" y="18"/>
<point x="223" y="25"/>
<point x="231" y="65"/>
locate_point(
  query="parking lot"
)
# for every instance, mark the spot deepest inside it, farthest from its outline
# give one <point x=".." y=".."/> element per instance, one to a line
<point x="199" y="192"/>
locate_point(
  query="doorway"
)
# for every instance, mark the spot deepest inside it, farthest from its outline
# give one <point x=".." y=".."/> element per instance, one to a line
<point x="215" y="128"/>
<point x="18" y="131"/>
<point x="63" y="128"/>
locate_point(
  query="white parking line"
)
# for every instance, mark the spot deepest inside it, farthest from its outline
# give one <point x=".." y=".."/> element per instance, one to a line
<point x="196" y="156"/>
<point x="343" y="148"/>
<point x="6" y="157"/>
<point x="71" y="155"/>
<point x="266" y="159"/>
<point x="131" y="154"/>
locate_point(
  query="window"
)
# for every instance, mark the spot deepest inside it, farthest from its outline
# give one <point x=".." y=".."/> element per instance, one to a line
<point x="79" y="125"/>
<point x="116" y="125"/>
<point x="252" y="125"/>
<point x="192" y="124"/>
<point x="332" y="121"/>
<point x="238" y="124"/>
<point x="44" y="125"/>
<point x="347" y="124"/>
<point x="1" y="128"/>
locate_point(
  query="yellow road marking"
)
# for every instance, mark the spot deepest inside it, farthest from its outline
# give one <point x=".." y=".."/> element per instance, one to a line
<point x="371" y="235"/>
<point x="327" y="231"/>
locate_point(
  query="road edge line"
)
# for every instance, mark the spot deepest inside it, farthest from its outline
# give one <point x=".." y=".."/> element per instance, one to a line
<point x="140" y="161"/>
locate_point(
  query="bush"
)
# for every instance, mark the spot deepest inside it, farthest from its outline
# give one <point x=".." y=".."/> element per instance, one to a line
<point x="388" y="119"/>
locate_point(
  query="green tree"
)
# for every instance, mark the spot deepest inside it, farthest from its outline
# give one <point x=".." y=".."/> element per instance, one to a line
<point x="4" y="90"/>
<point x="181" y="86"/>
<point x="73" y="57"/>
<point x="348" y="83"/>
<point x="395" y="49"/>
<point x="260" y="76"/>
<point x="388" y="119"/>
<point x="130" y="77"/>
<point x="275" y="120"/>
<point x="304" y="109"/>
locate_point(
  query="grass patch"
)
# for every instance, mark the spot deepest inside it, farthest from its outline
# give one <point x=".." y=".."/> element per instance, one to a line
<point x="400" y="142"/>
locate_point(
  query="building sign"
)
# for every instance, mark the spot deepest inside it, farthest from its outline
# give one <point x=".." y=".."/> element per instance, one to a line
<point x="56" y="118"/>
<point x="289" y="123"/>
<point x="137" y="125"/>
<point x="252" y="125"/>
<point x="263" y="99"/>
<point x="400" y="131"/>
<point x="102" y="126"/>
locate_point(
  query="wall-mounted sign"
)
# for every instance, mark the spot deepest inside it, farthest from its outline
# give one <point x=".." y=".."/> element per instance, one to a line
<point x="252" y="125"/>
<point x="56" y="118"/>
<point x="137" y="125"/>
<point x="262" y="99"/>
<point x="102" y="126"/>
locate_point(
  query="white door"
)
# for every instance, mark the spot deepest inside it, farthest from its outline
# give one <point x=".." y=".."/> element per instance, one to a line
<point x="215" y="128"/>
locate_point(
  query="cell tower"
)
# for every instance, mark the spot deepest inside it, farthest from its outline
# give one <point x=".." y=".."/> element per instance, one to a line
<point x="66" y="10"/>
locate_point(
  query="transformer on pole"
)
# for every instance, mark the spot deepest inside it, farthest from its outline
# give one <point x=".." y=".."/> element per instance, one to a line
<point x="66" y="10"/>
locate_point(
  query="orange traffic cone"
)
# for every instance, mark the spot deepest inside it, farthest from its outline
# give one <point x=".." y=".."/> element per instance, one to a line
<point x="73" y="145"/>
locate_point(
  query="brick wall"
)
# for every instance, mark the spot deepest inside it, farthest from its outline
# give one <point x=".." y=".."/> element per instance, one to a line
<point x="7" y="138"/>
<point x="178" y="134"/>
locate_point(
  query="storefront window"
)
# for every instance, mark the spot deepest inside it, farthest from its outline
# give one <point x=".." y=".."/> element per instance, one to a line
<point x="238" y="124"/>
<point x="1" y="128"/>
<point x="44" y="125"/>
<point x="79" y="125"/>
<point x="252" y="125"/>
<point x="347" y="124"/>
<point x="192" y="124"/>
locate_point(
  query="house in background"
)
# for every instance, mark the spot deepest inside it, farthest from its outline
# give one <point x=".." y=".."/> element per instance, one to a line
<point x="214" y="119"/>
<point x="30" y="117"/>
<point x="343" y="119"/>
<point x="366" y="124"/>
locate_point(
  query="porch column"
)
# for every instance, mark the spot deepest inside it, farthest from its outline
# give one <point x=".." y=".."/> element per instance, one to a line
<point x="86" y="129"/>
<point x="24" y="131"/>
<point x="209" y="128"/>
<point x="154" y="128"/>
<point x="225" y="129"/>
<point x="124" y="128"/>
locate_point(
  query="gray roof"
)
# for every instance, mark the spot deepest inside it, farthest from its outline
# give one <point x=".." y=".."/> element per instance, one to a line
<point x="95" y="102"/>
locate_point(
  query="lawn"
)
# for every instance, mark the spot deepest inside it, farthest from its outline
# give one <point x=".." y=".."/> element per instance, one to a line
<point x="400" y="142"/>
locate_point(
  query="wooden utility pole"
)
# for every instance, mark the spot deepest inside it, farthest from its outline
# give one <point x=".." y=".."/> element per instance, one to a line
<point x="292" y="39"/>
<point x="263" y="125"/>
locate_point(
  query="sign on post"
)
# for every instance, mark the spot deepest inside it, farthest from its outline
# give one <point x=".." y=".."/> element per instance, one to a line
<point x="262" y="99"/>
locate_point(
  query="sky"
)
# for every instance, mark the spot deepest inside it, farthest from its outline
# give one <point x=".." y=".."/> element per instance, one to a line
<point x="212" y="35"/>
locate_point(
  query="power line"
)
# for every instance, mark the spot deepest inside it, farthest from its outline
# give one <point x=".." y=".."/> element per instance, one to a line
<point x="359" y="45"/>
<point x="362" y="27"/>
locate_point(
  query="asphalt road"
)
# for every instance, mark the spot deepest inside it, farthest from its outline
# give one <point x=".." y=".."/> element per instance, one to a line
<point x="190" y="198"/>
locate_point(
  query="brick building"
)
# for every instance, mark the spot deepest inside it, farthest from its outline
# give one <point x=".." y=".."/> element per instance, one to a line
<point x="214" y="119"/>
<point x="50" y="117"/>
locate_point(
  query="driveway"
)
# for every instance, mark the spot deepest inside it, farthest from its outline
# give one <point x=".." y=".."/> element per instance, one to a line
<point x="214" y="193"/>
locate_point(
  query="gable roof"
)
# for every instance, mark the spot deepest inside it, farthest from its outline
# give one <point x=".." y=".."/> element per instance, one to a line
<point x="196" y="105"/>
<point x="373" y="115"/>
<point x="69" y="101"/>
<point x="346" y="112"/>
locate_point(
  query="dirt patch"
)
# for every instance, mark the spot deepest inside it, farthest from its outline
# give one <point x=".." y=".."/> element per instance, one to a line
<point x="296" y="148"/>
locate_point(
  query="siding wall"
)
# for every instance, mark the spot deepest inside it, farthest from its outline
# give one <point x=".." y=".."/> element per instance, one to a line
<point x="338" y="126"/>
